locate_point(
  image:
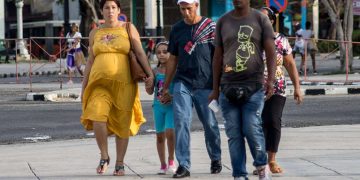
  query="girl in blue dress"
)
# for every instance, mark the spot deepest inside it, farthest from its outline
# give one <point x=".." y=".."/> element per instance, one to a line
<point x="163" y="113"/>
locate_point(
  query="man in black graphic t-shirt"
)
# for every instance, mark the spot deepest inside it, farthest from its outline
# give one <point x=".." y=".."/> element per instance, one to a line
<point x="242" y="35"/>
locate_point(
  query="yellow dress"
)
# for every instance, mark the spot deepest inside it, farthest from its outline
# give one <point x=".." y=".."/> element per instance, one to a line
<point x="111" y="95"/>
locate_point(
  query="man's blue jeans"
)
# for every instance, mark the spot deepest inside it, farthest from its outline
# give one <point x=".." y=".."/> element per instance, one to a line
<point x="183" y="100"/>
<point x="244" y="121"/>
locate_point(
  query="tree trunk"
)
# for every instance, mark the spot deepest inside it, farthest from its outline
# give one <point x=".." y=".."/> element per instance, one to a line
<point x="86" y="22"/>
<point x="349" y="19"/>
<point x="344" y="28"/>
<point x="89" y="15"/>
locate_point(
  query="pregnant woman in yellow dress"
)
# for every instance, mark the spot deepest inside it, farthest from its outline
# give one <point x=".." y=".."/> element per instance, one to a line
<point x="110" y="98"/>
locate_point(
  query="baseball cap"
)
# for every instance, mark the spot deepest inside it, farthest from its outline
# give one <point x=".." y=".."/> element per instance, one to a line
<point x="187" y="1"/>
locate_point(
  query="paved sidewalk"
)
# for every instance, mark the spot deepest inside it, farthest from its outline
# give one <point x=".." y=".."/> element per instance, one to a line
<point x="311" y="153"/>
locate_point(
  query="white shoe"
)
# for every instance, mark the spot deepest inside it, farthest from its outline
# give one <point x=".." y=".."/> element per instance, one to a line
<point x="264" y="172"/>
<point x="172" y="168"/>
<point x="162" y="171"/>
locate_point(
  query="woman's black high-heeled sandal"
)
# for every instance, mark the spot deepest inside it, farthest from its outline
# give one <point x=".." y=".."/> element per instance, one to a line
<point x="119" y="170"/>
<point x="100" y="168"/>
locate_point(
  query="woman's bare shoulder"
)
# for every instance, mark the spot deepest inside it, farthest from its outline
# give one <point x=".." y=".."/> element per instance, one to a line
<point x="92" y="32"/>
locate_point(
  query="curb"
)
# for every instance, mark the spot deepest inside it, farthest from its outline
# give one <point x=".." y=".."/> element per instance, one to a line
<point x="26" y="74"/>
<point x="54" y="97"/>
<point x="330" y="83"/>
<point x="326" y="91"/>
<point x="73" y="95"/>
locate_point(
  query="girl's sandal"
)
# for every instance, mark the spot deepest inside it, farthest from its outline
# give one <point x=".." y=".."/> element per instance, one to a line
<point x="103" y="165"/>
<point x="255" y="172"/>
<point x="119" y="170"/>
<point x="275" y="168"/>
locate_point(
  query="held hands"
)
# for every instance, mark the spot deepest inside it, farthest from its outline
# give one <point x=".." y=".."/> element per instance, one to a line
<point x="166" y="97"/>
<point x="149" y="82"/>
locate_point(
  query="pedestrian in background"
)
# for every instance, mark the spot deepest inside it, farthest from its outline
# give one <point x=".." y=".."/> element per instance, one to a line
<point x="191" y="48"/>
<point x="274" y="106"/>
<point x="110" y="98"/>
<point x="310" y="46"/>
<point x="75" y="56"/>
<point x="150" y="49"/>
<point x="163" y="113"/>
<point x="241" y="37"/>
<point x="299" y="44"/>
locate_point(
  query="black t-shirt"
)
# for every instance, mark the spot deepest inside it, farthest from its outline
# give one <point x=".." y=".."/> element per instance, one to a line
<point x="193" y="45"/>
<point x="241" y="39"/>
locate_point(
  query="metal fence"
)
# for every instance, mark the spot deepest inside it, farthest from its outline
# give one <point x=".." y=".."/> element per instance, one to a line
<point x="328" y="61"/>
<point x="47" y="64"/>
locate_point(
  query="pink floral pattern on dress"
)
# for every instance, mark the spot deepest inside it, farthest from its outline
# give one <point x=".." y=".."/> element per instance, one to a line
<point x="108" y="38"/>
<point x="283" y="48"/>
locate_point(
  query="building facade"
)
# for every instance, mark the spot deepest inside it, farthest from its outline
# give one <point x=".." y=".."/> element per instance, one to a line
<point x="39" y="16"/>
<point x="42" y="14"/>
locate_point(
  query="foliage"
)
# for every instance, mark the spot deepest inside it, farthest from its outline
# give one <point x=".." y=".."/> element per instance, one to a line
<point x="61" y="1"/>
<point x="257" y="4"/>
<point x="356" y="38"/>
<point x="356" y="35"/>
<point x="326" y="46"/>
<point x="342" y="17"/>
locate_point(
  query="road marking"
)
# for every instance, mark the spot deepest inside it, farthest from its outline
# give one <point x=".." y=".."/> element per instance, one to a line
<point x="150" y="130"/>
<point x="90" y="134"/>
<point x="36" y="139"/>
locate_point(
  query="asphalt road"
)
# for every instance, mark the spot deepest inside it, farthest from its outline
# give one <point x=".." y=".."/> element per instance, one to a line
<point x="25" y="122"/>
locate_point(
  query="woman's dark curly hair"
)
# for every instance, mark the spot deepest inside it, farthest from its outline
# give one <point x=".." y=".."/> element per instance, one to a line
<point x="117" y="2"/>
<point x="271" y="13"/>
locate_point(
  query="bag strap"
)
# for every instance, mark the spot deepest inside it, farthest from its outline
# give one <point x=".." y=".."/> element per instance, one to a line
<point x="129" y="34"/>
<point x="130" y="41"/>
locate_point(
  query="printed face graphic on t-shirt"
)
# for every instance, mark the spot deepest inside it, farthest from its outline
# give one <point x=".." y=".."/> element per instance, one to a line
<point x="244" y="51"/>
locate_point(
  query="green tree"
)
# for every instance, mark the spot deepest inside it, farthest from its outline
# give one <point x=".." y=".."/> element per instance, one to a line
<point x="89" y="12"/>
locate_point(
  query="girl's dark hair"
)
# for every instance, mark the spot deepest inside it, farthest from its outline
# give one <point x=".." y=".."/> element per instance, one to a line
<point x="271" y="13"/>
<point x="102" y="3"/>
<point x="166" y="43"/>
<point x="161" y="43"/>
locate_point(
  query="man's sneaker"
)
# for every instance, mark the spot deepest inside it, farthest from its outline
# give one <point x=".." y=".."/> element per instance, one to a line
<point x="315" y="72"/>
<point x="181" y="172"/>
<point x="172" y="168"/>
<point x="241" y="178"/>
<point x="216" y="167"/>
<point x="264" y="173"/>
